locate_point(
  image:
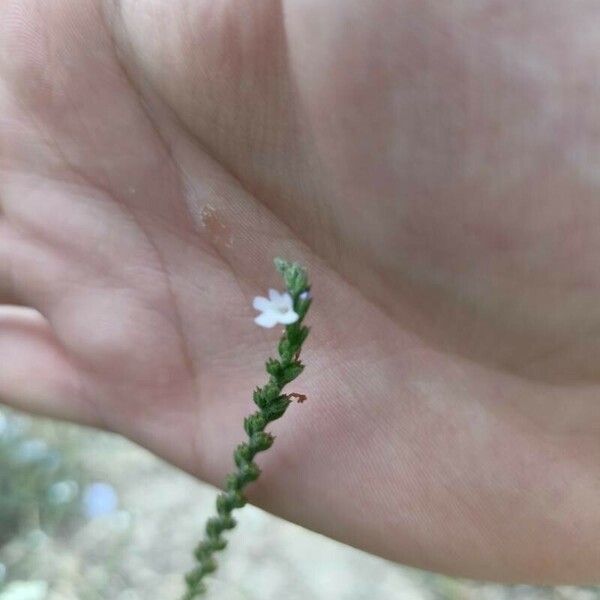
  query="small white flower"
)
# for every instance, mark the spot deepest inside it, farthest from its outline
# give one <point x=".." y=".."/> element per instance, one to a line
<point x="277" y="308"/>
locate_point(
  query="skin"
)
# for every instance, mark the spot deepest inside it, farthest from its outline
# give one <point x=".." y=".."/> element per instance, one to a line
<point x="435" y="165"/>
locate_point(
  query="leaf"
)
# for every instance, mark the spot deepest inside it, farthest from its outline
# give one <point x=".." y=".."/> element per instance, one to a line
<point x="291" y="372"/>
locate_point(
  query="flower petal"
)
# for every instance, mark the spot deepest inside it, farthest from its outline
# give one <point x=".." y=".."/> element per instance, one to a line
<point x="267" y="319"/>
<point x="274" y="295"/>
<point x="261" y="303"/>
<point x="287" y="318"/>
<point x="286" y="301"/>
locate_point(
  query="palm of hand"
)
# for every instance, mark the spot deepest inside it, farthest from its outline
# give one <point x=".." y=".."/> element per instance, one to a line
<point x="148" y="175"/>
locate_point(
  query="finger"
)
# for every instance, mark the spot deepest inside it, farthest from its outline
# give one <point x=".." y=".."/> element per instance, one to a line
<point x="36" y="374"/>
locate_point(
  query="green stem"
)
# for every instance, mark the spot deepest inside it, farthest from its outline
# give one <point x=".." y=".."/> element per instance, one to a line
<point x="272" y="405"/>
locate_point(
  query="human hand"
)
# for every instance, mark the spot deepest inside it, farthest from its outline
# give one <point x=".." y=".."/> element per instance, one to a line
<point x="435" y="167"/>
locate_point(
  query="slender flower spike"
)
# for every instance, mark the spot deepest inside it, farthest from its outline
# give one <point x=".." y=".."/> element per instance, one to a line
<point x="288" y="308"/>
<point x="277" y="308"/>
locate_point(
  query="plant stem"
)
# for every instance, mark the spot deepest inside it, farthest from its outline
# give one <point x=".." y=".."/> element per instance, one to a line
<point x="272" y="405"/>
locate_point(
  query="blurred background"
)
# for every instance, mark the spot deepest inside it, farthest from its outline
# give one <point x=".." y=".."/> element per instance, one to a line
<point x="86" y="515"/>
